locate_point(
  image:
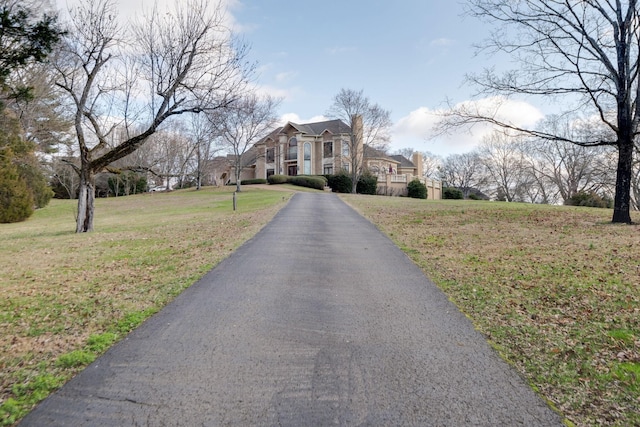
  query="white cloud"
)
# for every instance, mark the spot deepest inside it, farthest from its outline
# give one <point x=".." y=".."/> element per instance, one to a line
<point x="293" y="117"/>
<point x="135" y="10"/>
<point x="417" y="129"/>
<point x="276" y="92"/>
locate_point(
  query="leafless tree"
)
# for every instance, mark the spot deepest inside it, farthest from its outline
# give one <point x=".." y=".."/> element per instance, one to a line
<point x="567" y="167"/>
<point x="250" y="119"/>
<point x="350" y="106"/>
<point x="582" y="51"/>
<point x="503" y="160"/>
<point x="463" y="171"/>
<point x="431" y="165"/>
<point x="173" y="63"/>
<point x="201" y="134"/>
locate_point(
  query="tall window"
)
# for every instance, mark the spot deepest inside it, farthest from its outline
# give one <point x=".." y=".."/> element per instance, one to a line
<point x="292" y="153"/>
<point x="345" y="148"/>
<point x="271" y="155"/>
<point x="328" y="149"/>
<point x="307" y="158"/>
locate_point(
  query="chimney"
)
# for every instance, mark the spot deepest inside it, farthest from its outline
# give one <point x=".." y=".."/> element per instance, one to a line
<point x="358" y="132"/>
<point x="417" y="162"/>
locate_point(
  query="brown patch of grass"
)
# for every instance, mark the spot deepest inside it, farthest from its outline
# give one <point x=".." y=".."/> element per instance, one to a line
<point x="60" y="290"/>
<point x="556" y="290"/>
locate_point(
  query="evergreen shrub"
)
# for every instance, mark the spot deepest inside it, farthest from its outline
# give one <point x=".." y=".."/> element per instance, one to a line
<point x="417" y="190"/>
<point x="367" y="184"/>
<point x="589" y="199"/>
<point x="340" y="183"/>
<point x="452" y="193"/>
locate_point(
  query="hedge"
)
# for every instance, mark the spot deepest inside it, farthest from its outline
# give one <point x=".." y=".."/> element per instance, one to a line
<point x="278" y="179"/>
<point x="308" y="181"/>
<point x="253" y="181"/>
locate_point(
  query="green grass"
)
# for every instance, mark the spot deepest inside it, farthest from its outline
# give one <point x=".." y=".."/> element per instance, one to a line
<point x="67" y="297"/>
<point x="556" y="290"/>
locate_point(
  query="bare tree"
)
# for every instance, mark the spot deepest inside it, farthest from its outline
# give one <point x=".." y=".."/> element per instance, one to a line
<point x="463" y="171"/>
<point x="570" y="168"/>
<point x="187" y="58"/>
<point x="503" y="160"/>
<point x="431" y="165"/>
<point x="585" y="51"/>
<point x="201" y="135"/>
<point x="369" y="125"/>
<point x="245" y="123"/>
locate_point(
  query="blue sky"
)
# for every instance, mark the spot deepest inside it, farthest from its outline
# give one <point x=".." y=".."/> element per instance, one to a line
<point x="409" y="56"/>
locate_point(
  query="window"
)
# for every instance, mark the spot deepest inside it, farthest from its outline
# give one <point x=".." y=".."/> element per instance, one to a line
<point x="328" y="149"/>
<point x="270" y="172"/>
<point x="307" y="158"/>
<point x="345" y="167"/>
<point x="271" y="157"/>
<point x="328" y="170"/>
<point x="345" y="148"/>
<point x="292" y="153"/>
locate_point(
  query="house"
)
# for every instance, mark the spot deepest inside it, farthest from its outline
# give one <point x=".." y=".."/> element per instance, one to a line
<point x="322" y="148"/>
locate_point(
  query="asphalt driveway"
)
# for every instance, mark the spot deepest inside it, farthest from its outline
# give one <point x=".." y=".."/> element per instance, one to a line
<point x="318" y="320"/>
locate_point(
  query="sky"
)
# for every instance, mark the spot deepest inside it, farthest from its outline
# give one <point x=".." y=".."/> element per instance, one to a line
<point x="408" y="56"/>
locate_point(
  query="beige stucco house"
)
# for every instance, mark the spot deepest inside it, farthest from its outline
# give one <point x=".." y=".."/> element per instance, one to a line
<point x="322" y="148"/>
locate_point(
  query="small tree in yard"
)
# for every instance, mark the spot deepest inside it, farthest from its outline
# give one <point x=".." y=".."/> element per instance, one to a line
<point x="135" y="78"/>
<point x="248" y="120"/>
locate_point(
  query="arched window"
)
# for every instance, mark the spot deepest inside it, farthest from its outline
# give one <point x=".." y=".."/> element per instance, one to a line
<point x="292" y="153"/>
<point x="307" y="158"/>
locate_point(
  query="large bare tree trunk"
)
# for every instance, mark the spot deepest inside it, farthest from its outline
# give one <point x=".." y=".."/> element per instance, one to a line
<point x="622" y="202"/>
<point x="86" y="198"/>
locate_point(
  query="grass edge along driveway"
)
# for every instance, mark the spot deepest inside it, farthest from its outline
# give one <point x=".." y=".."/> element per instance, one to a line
<point x="67" y="297"/>
<point x="555" y="289"/>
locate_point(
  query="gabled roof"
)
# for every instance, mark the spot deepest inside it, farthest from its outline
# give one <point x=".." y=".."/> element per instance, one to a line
<point x="404" y="162"/>
<point x="319" y="128"/>
<point x="373" y="153"/>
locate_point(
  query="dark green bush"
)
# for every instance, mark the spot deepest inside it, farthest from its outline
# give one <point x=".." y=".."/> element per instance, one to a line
<point x="367" y="184"/>
<point x="589" y="199"/>
<point x="340" y="183"/>
<point x="278" y="179"/>
<point x="253" y="181"/>
<point x="417" y="190"/>
<point x="452" y="193"/>
<point x="16" y="200"/>
<point x="474" y="196"/>
<point x="308" y="181"/>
